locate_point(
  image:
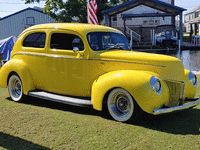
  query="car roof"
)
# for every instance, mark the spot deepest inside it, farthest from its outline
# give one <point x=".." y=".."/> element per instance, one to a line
<point x="78" y="27"/>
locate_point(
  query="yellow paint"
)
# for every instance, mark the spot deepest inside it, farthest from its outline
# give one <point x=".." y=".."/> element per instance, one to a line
<point x="90" y="73"/>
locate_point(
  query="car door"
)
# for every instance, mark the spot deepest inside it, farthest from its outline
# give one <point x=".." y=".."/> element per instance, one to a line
<point x="34" y="50"/>
<point x="67" y="70"/>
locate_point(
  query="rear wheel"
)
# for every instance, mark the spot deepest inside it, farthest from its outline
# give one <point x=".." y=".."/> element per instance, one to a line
<point x="121" y="105"/>
<point x="15" y="88"/>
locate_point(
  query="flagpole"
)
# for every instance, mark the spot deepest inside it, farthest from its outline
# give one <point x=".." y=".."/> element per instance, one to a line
<point x="87" y="11"/>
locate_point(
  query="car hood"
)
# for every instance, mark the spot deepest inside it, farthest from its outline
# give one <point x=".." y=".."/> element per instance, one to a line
<point x="166" y="67"/>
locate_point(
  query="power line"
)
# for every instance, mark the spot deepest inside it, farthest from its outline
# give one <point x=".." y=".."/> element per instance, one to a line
<point x="9" y="3"/>
<point x="7" y="11"/>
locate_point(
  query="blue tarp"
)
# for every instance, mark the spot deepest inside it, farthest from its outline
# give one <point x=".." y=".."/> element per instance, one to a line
<point x="6" y="46"/>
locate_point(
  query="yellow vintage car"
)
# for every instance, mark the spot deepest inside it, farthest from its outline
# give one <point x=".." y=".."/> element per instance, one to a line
<point x="93" y="66"/>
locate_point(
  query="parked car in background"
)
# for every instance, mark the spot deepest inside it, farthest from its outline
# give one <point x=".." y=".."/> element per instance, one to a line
<point x="92" y="65"/>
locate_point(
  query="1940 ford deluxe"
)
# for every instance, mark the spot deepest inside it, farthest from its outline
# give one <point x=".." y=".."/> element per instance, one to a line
<point x="92" y="65"/>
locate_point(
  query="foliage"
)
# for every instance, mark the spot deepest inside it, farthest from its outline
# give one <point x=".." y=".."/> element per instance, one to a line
<point x="64" y="11"/>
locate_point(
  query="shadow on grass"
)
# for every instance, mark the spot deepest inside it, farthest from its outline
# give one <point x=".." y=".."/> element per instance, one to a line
<point x="13" y="143"/>
<point x="185" y="122"/>
<point x="59" y="106"/>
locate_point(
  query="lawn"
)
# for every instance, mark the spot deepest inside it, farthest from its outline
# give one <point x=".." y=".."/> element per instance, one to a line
<point x="41" y="124"/>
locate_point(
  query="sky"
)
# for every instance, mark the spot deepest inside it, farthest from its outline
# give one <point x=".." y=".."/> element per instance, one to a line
<point x="8" y="7"/>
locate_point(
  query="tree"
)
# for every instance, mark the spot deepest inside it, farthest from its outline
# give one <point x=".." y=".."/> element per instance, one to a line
<point x="64" y="11"/>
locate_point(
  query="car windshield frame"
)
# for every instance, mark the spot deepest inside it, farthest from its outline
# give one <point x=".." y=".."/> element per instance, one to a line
<point x="99" y="41"/>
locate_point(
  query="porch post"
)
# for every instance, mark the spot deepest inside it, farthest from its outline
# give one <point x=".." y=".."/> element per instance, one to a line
<point x="124" y="25"/>
<point x="181" y="30"/>
<point x="106" y="19"/>
<point x="110" y="21"/>
<point x="195" y="27"/>
<point x="191" y="32"/>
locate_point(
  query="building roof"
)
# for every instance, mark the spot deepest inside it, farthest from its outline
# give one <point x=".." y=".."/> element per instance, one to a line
<point x="156" y="4"/>
<point x="193" y="10"/>
<point x="21" y="12"/>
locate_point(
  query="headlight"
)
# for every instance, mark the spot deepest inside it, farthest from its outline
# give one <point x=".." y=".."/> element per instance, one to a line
<point x="193" y="78"/>
<point x="155" y="84"/>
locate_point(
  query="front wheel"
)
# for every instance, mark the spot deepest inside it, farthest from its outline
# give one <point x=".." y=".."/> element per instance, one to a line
<point x="120" y="105"/>
<point x="15" y="88"/>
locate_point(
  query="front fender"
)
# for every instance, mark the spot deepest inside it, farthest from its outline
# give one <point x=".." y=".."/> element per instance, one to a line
<point x="19" y="67"/>
<point x="190" y="90"/>
<point x="137" y="83"/>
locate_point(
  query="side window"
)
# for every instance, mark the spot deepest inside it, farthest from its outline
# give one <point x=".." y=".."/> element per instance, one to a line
<point x="66" y="41"/>
<point x="35" y="40"/>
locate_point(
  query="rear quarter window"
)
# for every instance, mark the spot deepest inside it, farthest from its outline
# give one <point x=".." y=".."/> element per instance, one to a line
<point x="35" y="40"/>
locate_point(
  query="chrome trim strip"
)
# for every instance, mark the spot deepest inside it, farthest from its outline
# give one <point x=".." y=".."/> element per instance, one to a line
<point x="45" y="55"/>
<point x="77" y="101"/>
<point x="130" y="63"/>
<point x="177" y="108"/>
<point x="57" y="56"/>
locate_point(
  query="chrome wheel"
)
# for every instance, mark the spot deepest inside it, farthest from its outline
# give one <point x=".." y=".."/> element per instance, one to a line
<point x="15" y="88"/>
<point x="120" y="105"/>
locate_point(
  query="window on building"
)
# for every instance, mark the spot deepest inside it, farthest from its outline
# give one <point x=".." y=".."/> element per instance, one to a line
<point x="35" y="40"/>
<point x="30" y="20"/>
<point x="114" y="18"/>
<point x="157" y="22"/>
<point x="145" y="22"/>
<point x="151" y="22"/>
<point x="196" y="14"/>
<point x="65" y="41"/>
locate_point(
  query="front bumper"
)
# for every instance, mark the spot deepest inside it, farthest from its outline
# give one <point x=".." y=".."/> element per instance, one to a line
<point x="177" y="108"/>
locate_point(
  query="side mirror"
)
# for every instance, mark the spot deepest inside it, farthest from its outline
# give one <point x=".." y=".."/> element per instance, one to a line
<point x="75" y="49"/>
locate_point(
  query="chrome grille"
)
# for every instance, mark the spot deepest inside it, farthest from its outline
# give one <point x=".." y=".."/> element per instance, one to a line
<point x="176" y="92"/>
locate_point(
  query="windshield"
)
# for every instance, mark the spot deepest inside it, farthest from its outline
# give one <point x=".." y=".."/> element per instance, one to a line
<point x="107" y="40"/>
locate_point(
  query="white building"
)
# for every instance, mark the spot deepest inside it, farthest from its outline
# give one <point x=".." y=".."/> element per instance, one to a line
<point x="14" y="24"/>
<point x="192" y="20"/>
<point x="117" y="20"/>
<point x="142" y="17"/>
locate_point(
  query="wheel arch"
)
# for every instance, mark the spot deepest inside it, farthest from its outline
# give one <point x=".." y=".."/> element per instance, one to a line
<point x="137" y="83"/>
<point x="21" y="69"/>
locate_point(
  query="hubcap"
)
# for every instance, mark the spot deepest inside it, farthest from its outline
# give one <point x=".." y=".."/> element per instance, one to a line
<point x="16" y="89"/>
<point x="122" y="104"/>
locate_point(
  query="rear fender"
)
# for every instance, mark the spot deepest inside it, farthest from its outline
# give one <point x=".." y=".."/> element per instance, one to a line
<point x="19" y="67"/>
<point x="137" y="83"/>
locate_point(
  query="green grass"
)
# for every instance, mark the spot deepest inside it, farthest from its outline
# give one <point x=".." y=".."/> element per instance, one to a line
<point x="40" y="124"/>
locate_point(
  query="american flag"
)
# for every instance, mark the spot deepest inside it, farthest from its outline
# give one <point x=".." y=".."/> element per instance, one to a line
<point x="92" y="9"/>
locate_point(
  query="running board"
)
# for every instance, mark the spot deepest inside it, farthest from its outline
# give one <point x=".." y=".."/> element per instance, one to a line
<point x="77" y="101"/>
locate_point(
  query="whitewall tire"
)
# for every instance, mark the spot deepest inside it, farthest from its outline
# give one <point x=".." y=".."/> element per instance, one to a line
<point x="120" y="105"/>
<point x="15" y="88"/>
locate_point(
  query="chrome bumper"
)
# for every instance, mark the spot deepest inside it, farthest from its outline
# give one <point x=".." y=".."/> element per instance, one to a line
<point x="177" y="108"/>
